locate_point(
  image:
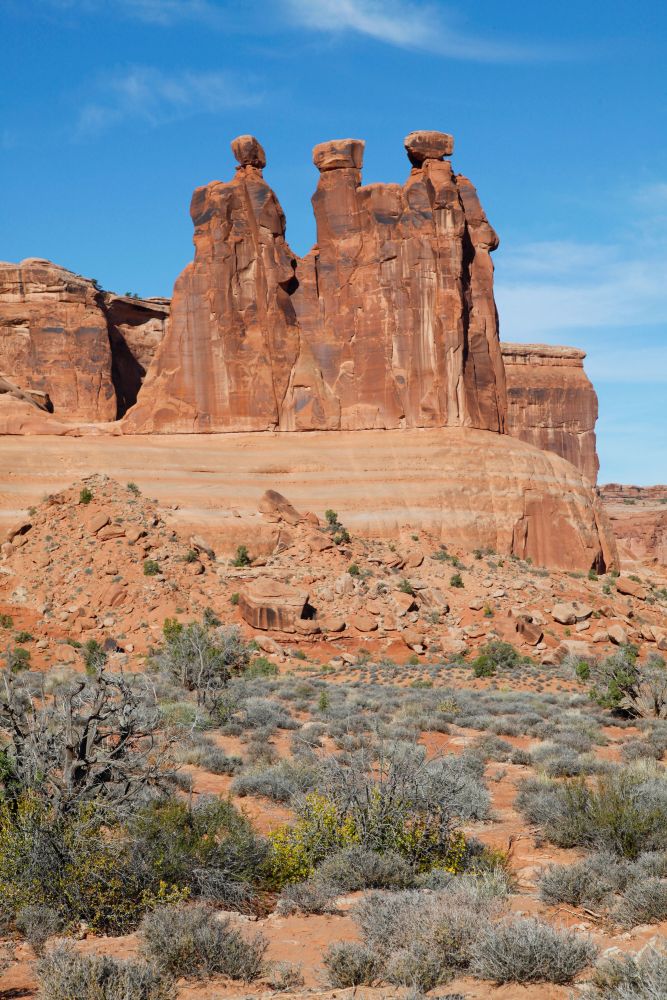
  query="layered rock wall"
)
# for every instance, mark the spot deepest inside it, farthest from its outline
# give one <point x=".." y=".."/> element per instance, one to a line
<point x="551" y="402"/>
<point x="84" y="349"/>
<point x="388" y="322"/>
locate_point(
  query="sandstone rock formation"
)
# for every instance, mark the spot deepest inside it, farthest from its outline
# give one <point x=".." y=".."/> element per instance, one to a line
<point x="83" y="349"/>
<point x="388" y="322"/>
<point x="53" y="338"/>
<point x="638" y="517"/>
<point x="551" y="402"/>
<point x="136" y="328"/>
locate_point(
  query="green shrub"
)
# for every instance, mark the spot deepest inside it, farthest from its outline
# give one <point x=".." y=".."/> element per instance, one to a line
<point x="496" y="655"/>
<point x="354" y="570"/>
<point x="6" y="621"/>
<point x="22" y="637"/>
<point x="456" y="580"/>
<point x="17" y="659"/>
<point x="208" y="847"/>
<point x="241" y="558"/>
<point x="340" y="534"/>
<point x="151" y="567"/>
<point x="235" y="598"/>
<point x="191" y="941"/>
<point x="133" y="489"/>
<point x="85" y="496"/>
<point x="262" y="667"/>
<point x="201" y="659"/>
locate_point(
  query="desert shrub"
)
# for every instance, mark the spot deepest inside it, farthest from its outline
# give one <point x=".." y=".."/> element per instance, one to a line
<point x="559" y="761"/>
<point x="284" y="976"/>
<point x="74" y="866"/>
<point x="280" y="782"/>
<point x="263" y="713"/>
<point x="6" y="621"/>
<point x="397" y="801"/>
<point x="191" y="941"/>
<point x="133" y="489"/>
<point x="456" y="580"/>
<point x="350" y="964"/>
<point x="63" y="975"/>
<point x="262" y="667"/>
<point x="626" y="977"/>
<point x="17" y="659"/>
<point x="356" y="867"/>
<point x="623" y="812"/>
<point x="201" y="659"/>
<point x="151" y="567"/>
<point x="525" y="950"/>
<point x="588" y="882"/>
<point x="643" y="902"/>
<point x="341" y="535"/>
<point x="209" y="847"/>
<point x="241" y="558"/>
<point x="216" y="761"/>
<point x="38" y="924"/>
<point x="621" y="683"/>
<point x="313" y="895"/>
<point x="85" y="496"/>
<point x="496" y="655"/>
<point x="446" y="922"/>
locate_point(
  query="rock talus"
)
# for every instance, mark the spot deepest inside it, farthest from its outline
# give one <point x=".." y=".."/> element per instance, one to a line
<point x="551" y="402"/>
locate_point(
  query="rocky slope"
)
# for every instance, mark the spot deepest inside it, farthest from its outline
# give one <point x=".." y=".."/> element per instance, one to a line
<point x="551" y="402"/>
<point x="389" y="322"/>
<point x="113" y="568"/>
<point x="61" y="336"/>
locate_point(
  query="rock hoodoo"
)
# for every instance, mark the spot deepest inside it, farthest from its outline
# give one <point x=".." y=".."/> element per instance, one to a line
<point x="388" y="322"/>
<point x="551" y="402"/>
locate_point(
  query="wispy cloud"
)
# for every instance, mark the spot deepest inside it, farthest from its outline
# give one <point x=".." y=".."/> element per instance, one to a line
<point x="548" y="288"/>
<point x="151" y="96"/>
<point x="411" y="25"/>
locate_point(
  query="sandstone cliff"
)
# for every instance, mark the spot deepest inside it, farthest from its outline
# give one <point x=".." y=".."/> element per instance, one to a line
<point x="638" y="517"/>
<point x="388" y="322"/>
<point x="84" y="349"/>
<point x="551" y="402"/>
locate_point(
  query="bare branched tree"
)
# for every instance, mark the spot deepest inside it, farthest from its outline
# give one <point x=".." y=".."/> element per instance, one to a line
<point x="201" y="659"/>
<point x="93" y="739"/>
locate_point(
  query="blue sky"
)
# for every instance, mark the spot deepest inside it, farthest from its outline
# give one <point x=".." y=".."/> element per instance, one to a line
<point x="112" y="111"/>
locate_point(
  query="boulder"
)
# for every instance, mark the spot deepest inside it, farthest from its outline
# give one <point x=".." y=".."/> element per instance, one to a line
<point x="617" y="635"/>
<point x="529" y="632"/>
<point x="269" y="604"/>
<point x="422" y="146"/>
<point x="277" y="507"/>
<point x="631" y="588"/>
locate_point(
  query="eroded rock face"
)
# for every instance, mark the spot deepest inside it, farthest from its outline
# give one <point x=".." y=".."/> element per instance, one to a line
<point x="75" y="351"/>
<point x="136" y="328"/>
<point x="388" y="322"/>
<point x="551" y="402"/>
<point x="638" y="516"/>
<point x="233" y="338"/>
<point x="53" y="338"/>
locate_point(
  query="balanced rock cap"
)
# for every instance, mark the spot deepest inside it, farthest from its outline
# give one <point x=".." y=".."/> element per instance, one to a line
<point x="249" y="151"/>
<point x="422" y="146"/>
<point x="337" y="154"/>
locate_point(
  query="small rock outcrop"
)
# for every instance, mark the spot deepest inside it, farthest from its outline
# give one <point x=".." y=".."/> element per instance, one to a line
<point x="388" y="322"/>
<point x="551" y="402"/>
